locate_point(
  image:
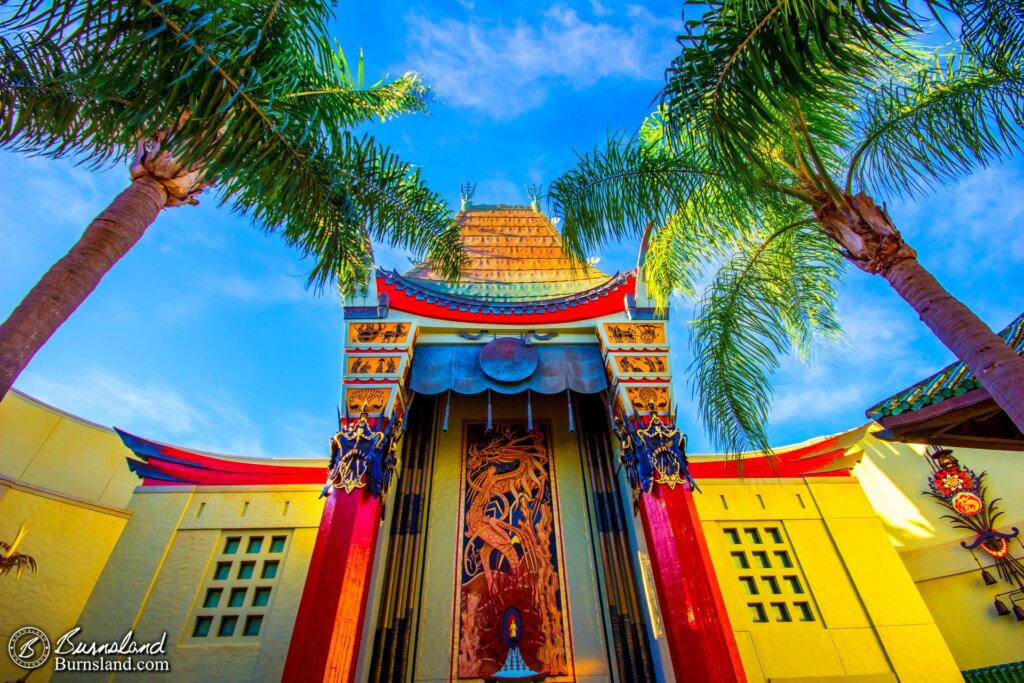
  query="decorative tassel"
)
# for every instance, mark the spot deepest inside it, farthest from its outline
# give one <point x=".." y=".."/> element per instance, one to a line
<point x="447" y="407"/>
<point x="568" y="394"/>
<point x="489" y="424"/>
<point x="529" y="412"/>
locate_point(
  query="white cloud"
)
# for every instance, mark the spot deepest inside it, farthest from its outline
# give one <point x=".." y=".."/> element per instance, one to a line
<point x="956" y="229"/>
<point x="214" y="422"/>
<point x="505" y="69"/>
<point x="884" y="349"/>
<point x="264" y="290"/>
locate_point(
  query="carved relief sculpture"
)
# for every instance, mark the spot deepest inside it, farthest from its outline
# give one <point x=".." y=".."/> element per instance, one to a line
<point x="508" y="552"/>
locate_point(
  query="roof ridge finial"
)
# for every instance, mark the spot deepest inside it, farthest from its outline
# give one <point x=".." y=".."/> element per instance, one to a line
<point x="466" y="194"/>
<point x="534" y="191"/>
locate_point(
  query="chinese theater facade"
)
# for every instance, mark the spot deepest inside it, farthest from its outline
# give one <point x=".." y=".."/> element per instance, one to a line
<point x="508" y="497"/>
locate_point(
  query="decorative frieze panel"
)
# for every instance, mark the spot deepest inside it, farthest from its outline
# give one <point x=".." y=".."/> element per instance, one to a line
<point x="633" y="334"/>
<point x="641" y="397"/>
<point x="372" y="365"/>
<point x="379" y="333"/>
<point x="376" y="400"/>
<point x="644" y="365"/>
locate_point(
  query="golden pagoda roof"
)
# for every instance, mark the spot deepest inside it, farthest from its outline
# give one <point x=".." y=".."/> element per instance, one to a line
<point x="515" y="254"/>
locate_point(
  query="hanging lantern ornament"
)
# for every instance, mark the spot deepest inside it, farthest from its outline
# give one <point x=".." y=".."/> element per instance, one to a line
<point x="962" y="492"/>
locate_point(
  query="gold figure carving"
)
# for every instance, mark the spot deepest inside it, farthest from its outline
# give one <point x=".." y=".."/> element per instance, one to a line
<point x="642" y="397"/>
<point x="375" y="400"/>
<point x="636" y="365"/>
<point x="378" y="333"/>
<point x="635" y="333"/>
<point x="372" y="365"/>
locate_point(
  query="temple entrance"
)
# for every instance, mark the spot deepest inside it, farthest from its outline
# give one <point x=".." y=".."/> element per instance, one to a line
<point x="491" y="520"/>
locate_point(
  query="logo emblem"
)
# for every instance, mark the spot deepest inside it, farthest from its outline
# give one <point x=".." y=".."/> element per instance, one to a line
<point x="29" y="647"/>
<point x="508" y="359"/>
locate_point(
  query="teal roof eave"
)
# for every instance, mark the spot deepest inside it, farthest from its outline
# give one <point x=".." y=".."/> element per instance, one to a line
<point x="953" y="380"/>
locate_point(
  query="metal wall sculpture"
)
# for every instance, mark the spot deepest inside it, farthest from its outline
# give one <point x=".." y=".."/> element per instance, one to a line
<point x="963" y="493"/>
<point x="362" y="456"/>
<point x="508" y="552"/>
<point x="653" y="454"/>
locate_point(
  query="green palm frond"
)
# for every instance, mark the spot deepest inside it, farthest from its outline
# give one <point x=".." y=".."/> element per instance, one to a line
<point x="19" y="563"/>
<point x="347" y="101"/>
<point x="617" y="192"/>
<point x="775" y="293"/>
<point x="744" y="62"/>
<point x="991" y="29"/>
<point x="937" y="124"/>
<point x="680" y="252"/>
<point x="269" y="106"/>
<point x="15" y="561"/>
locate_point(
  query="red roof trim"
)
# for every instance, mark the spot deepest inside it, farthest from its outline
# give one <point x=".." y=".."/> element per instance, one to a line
<point x="815" y="460"/>
<point x="608" y="302"/>
<point x="162" y="465"/>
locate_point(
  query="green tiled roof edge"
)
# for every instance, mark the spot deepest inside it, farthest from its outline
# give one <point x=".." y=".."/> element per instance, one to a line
<point x="1001" y="673"/>
<point x="951" y="381"/>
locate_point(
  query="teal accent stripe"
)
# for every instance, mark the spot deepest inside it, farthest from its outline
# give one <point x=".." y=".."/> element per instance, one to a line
<point x="1002" y="673"/>
<point x="952" y="380"/>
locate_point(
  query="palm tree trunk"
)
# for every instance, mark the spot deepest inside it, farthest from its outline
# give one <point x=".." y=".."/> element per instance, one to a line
<point x="74" y="277"/>
<point x="874" y="245"/>
<point x="1000" y="370"/>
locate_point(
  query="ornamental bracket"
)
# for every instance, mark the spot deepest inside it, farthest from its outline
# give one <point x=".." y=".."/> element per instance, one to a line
<point x="655" y="454"/>
<point x="364" y="457"/>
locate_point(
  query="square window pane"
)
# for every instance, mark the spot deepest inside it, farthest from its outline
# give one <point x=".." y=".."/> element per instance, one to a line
<point x="794" y="584"/>
<point x="277" y="544"/>
<point x="774" y="534"/>
<point x="245" y="570"/>
<point x="771" y="584"/>
<point x="757" y="613"/>
<point x="732" y="536"/>
<point x="740" y="560"/>
<point x="749" y="585"/>
<point x="252" y="625"/>
<point x="227" y="626"/>
<point x="753" y="536"/>
<point x="231" y="545"/>
<point x="269" y="569"/>
<point x="202" y="627"/>
<point x="780" y="612"/>
<point x="261" y="597"/>
<point x="237" y="597"/>
<point x="783" y="558"/>
<point x="804" y="612"/>
<point x="222" y="571"/>
<point x="762" y="559"/>
<point x="212" y="598"/>
<point x="255" y="543"/>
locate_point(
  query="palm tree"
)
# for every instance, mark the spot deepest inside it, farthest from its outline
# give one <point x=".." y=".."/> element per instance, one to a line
<point x="15" y="561"/>
<point x="778" y="123"/>
<point x="247" y="97"/>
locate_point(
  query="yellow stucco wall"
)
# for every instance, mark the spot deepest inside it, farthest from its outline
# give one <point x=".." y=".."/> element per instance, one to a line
<point x="45" y="447"/>
<point x="893" y="475"/>
<point x="66" y="480"/>
<point x="157" y="571"/>
<point x="870" y="622"/>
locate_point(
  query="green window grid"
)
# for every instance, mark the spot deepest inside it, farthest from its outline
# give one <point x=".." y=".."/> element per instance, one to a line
<point x="765" y="568"/>
<point x="233" y="602"/>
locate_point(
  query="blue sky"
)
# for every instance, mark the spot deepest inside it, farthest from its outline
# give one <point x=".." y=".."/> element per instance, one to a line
<point x="203" y="336"/>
